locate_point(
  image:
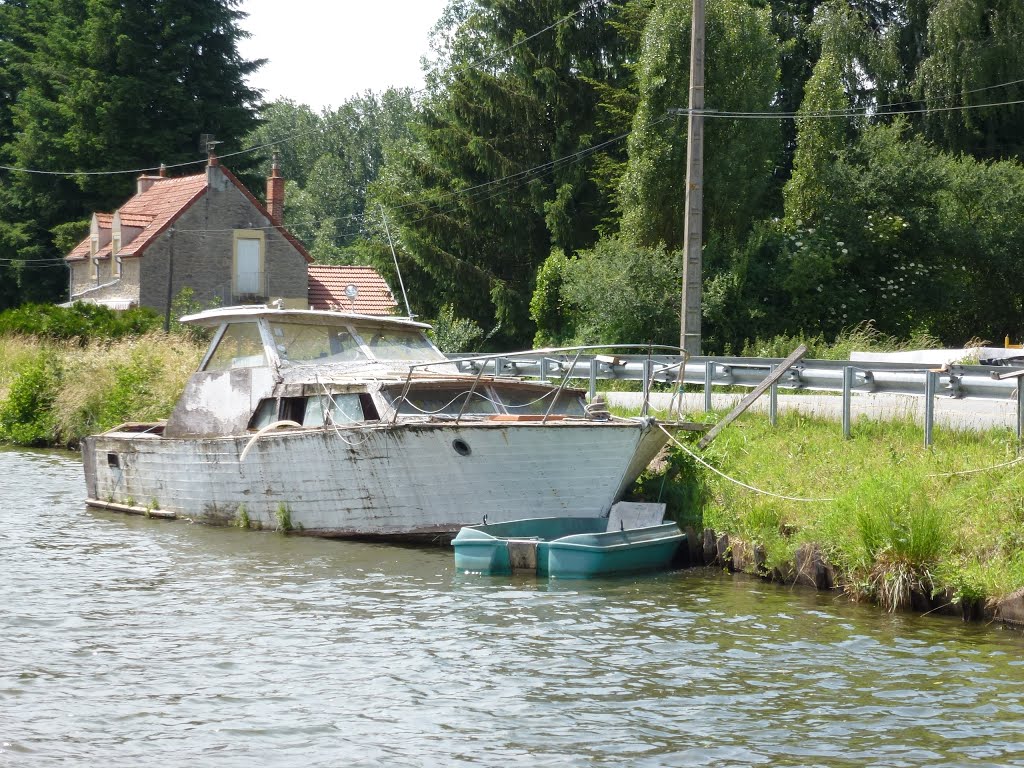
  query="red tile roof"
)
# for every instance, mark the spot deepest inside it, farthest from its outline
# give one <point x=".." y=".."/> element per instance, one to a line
<point x="156" y="209"/>
<point x="327" y="283"/>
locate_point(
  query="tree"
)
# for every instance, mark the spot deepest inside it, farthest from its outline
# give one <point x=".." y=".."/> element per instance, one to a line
<point x="975" y="46"/>
<point x="110" y="85"/>
<point x="742" y="75"/>
<point x="495" y="175"/>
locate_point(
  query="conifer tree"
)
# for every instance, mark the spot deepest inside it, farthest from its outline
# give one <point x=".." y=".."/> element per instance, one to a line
<point x="98" y="85"/>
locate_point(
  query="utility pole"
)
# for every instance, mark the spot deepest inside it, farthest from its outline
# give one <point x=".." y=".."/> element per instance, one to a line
<point x="690" y="311"/>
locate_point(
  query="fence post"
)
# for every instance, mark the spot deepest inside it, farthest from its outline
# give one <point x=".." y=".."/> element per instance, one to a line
<point x="847" y="399"/>
<point x="930" y="384"/>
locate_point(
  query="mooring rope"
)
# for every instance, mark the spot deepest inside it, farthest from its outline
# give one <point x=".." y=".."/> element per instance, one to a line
<point x="1018" y="460"/>
<point x="701" y="461"/>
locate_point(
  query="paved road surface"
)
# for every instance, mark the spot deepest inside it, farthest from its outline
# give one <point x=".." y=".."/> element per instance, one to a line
<point x="957" y="414"/>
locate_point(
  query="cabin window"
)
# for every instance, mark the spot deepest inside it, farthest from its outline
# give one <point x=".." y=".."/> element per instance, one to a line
<point x="448" y="401"/>
<point x="266" y="414"/>
<point x="340" y="409"/>
<point x="299" y="343"/>
<point x="400" y="344"/>
<point x="527" y="401"/>
<point x="241" y="346"/>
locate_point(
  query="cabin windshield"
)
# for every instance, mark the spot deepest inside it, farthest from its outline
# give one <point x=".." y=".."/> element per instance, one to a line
<point x="240" y="346"/>
<point x="299" y="343"/>
<point x="400" y="344"/>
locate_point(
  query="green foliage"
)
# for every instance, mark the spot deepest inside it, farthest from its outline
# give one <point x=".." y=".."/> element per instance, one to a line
<point x="130" y="397"/>
<point x="26" y="415"/>
<point x="284" y="518"/>
<point x="330" y="163"/>
<point x="454" y="334"/>
<point x="553" y="326"/>
<point x="81" y="322"/>
<point x="185" y="304"/>
<point x="742" y="75"/>
<point x="622" y="293"/>
<point x="895" y="519"/>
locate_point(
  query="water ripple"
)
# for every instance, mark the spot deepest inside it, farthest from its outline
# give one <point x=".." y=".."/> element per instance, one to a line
<point x="137" y="641"/>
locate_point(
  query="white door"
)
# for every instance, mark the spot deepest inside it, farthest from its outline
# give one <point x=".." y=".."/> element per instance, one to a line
<point x="247" y="266"/>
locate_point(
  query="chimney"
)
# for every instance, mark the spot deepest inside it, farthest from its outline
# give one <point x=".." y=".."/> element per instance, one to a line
<point x="275" y="193"/>
<point x="145" y="182"/>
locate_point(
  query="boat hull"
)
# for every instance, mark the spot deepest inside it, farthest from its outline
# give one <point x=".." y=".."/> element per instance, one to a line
<point x="565" y="548"/>
<point x="405" y="479"/>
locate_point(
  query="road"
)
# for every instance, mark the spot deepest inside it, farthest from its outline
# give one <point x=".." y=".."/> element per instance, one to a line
<point x="975" y="414"/>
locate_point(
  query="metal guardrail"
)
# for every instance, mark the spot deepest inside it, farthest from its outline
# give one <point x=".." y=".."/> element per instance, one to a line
<point x="966" y="382"/>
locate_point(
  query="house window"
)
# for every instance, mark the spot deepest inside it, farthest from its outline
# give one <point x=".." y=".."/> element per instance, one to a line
<point x="249" y="278"/>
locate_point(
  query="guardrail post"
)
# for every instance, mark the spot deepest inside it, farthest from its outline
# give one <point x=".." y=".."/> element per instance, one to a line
<point x="593" y="378"/>
<point x="1020" y="408"/>
<point x="544" y="370"/>
<point x="773" y="400"/>
<point x="647" y="387"/>
<point x="930" y="384"/>
<point x="709" y="372"/>
<point x="847" y="398"/>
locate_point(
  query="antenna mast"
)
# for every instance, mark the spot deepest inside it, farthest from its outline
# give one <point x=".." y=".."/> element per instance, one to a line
<point x="401" y="284"/>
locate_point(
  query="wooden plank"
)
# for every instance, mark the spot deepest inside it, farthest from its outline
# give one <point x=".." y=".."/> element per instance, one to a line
<point x="759" y="390"/>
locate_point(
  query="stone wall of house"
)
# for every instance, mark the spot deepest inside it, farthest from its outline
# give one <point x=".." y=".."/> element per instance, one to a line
<point x="197" y="252"/>
<point x="107" y="286"/>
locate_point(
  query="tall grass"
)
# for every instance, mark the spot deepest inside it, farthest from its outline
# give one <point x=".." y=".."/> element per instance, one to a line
<point x="56" y="392"/>
<point x="863" y="337"/>
<point x="893" y="517"/>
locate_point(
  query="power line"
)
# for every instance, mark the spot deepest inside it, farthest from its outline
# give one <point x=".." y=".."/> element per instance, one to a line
<point x="838" y="113"/>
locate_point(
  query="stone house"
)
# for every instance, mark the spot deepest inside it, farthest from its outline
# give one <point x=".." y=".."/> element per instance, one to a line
<point x="205" y="232"/>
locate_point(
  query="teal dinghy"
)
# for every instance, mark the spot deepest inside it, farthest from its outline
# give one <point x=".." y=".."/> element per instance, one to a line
<point x="630" y="540"/>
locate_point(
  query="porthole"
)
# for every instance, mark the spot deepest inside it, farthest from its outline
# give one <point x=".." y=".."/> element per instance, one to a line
<point x="461" y="447"/>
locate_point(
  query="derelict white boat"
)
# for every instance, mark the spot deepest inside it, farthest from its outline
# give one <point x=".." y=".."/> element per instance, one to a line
<point x="339" y="424"/>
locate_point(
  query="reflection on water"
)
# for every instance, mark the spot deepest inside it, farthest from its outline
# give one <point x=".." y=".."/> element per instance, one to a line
<point x="134" y="641"/>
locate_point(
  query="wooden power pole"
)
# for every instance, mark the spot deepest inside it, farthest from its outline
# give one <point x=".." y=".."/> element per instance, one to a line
<point x="690" y="314"/>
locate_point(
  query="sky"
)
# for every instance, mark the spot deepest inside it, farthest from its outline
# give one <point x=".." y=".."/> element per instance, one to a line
<point x="321" y="52"/>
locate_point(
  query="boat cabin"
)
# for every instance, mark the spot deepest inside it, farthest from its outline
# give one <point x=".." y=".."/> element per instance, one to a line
<point x="318" y="368"/>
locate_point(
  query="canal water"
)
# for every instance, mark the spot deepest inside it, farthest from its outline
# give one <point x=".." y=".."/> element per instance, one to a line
<point x="127" y="642"/>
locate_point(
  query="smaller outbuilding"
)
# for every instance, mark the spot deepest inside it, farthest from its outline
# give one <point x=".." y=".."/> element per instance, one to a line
<point x="350" y="289"/>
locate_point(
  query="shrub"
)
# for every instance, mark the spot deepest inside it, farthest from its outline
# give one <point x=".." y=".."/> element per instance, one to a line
<point x="79" y="321"/>
<point x="26" y="414"/>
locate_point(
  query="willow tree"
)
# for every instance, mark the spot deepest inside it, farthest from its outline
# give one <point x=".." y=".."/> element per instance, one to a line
<point x="742" y="76"/>
<point x="975" y="57"/>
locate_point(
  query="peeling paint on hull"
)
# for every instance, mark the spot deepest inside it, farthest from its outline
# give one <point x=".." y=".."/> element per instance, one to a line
<point x="401" y="480"/>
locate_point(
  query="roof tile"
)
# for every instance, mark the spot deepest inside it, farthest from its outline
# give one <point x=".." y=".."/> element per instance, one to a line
<point x="327" y="283"/>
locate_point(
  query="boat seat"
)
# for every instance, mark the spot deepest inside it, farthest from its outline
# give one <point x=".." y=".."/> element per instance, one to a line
<point x="626" y="515"/>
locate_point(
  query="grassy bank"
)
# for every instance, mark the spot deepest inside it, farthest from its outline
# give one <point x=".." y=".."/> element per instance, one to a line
<point x="890" y="516"/>
<point x="54" y="392"/>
